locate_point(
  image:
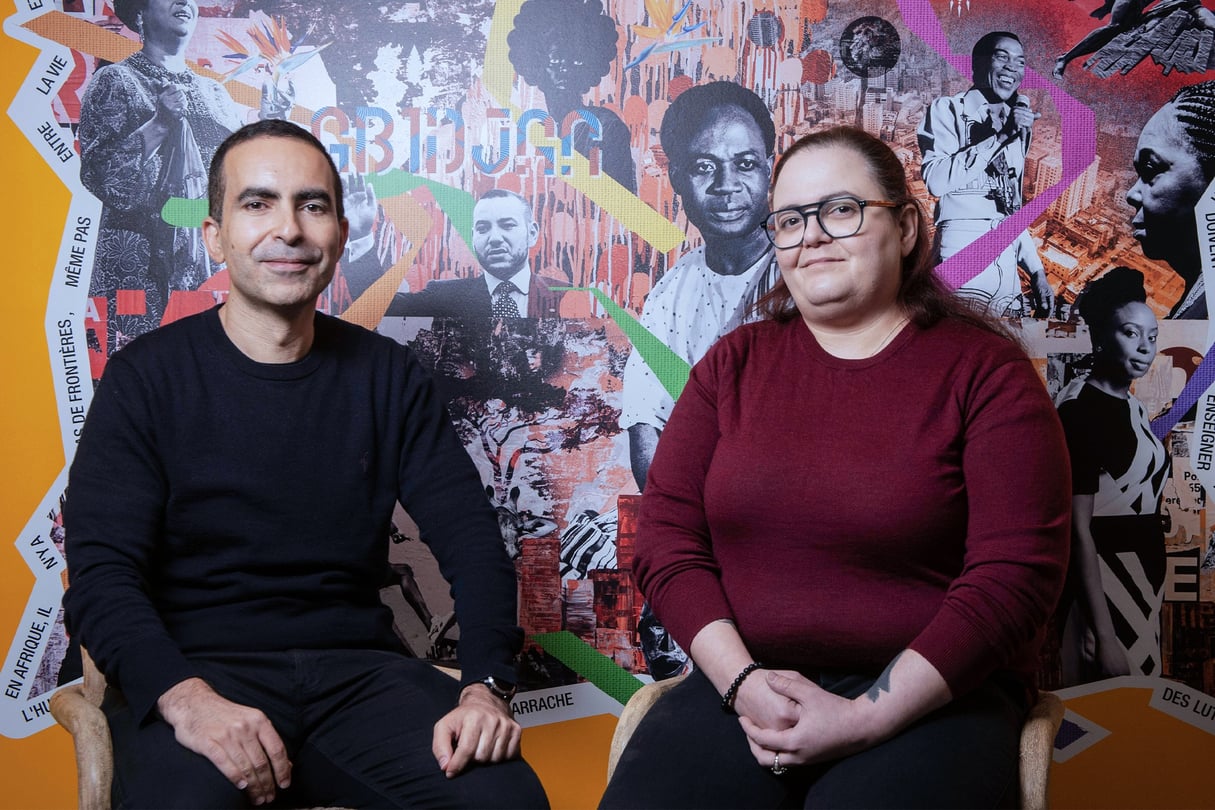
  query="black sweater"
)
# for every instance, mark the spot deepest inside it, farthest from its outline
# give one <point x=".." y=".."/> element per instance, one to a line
<point x="218" y="504"/>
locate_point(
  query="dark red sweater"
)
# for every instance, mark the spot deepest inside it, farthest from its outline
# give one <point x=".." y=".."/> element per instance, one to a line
<point x="841" y="511"/>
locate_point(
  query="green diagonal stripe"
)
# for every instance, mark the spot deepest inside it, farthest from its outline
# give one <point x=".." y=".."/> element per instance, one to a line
<point x="456" y="204"/>
<point x="184" y="213"/>
<point x="582" y="658"/>
<point x="670" y="369"/>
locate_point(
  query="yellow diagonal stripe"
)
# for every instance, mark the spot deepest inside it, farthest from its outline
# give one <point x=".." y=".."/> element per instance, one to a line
<point x="498" y="75"/>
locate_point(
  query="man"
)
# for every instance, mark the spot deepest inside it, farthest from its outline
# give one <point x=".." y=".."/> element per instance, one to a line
<point x="974" y="148"/>
<point x="374" y="244"/>
<point x="228" y="526"/>
<point x="504" y="233"/>
<point x="719" y="139"/>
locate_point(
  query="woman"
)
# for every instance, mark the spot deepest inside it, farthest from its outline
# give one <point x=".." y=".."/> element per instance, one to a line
<point x="148" y="128"/>
<point x="845" y="494"/>
<point x="1175" y="161"/>
<point x="566" y="47"/>
<point x="1119" y="467"/>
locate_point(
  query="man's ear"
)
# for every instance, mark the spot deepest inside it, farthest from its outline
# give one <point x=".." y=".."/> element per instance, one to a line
<point x="214" y="245"/>
<point x="533" y="233"/>
<point x="679" y="180"/>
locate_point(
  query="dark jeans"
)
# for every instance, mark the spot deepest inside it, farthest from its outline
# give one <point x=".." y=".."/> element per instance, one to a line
<point x="687" y="752"/>
<point x="357" y="725"/>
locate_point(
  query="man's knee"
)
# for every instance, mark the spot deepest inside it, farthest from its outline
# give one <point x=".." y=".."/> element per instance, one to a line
<point x="410" y="779"/>
<point x="506" y="784"/>
<point x="151" y="769"/>
<point x="170" y="776"/>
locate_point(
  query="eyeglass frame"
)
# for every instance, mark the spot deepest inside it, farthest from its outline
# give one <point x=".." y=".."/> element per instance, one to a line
<point x="802" y="211"/>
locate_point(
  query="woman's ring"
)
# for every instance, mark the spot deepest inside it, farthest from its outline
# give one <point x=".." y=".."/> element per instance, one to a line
<point x="777" y="768"/>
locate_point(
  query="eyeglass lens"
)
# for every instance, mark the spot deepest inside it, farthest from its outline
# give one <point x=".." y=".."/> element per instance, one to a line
<point x="837" y="218"/>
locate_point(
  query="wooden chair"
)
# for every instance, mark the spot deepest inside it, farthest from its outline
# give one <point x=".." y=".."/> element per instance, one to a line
<point x="1037" y="737"/>
<point x="78" y="709"/>
<point x="1037" y="749"/>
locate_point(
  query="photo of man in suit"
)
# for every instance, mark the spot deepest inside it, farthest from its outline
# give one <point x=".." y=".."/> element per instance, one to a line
<point x="504" y="232"/>
<point x="974" y="148"/>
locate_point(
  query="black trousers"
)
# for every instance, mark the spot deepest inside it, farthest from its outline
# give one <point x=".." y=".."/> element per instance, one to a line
<point x="357" y="725"/>
<point x="687" y="752"/>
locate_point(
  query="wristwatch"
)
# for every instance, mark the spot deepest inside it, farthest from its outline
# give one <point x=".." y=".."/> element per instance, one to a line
<point x="501" y="689"/>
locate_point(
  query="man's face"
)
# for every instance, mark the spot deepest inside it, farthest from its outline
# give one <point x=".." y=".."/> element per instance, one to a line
<point x="724" y="180"/>
<point x="280" y="235"/>
<point x="1006" y="70"/>
<point x="503" y="234"/>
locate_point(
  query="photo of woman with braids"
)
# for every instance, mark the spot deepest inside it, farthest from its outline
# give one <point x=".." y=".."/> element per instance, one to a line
<point x="1111" y="604"/>
<point x="565" y="48"/>
<point x="1175" y="161"/>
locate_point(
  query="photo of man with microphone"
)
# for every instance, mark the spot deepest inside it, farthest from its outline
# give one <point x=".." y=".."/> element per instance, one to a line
<point x="974" y="146"/>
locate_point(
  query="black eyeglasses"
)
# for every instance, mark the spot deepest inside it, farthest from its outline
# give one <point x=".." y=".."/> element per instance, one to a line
<point x="839" y="218"/>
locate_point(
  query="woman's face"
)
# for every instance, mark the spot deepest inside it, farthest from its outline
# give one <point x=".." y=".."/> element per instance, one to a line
<point x="1130" y="347"/>
<point x="844" y="280"/>
<point x="1169" y="185"/>
<point x="167" y="20"/>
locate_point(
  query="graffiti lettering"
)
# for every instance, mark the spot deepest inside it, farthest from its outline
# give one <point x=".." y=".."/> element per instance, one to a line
<point x="435" y="139"/>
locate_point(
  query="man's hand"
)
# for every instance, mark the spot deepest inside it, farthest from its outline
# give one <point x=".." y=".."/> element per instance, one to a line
<point x="360" y="205"/>
<point x="1021" y="122"/>
<point x="480" y="729"/>
<point x="1043" y="296"/>
<point x="239" y="740"/>
<point x="276" y="102"/>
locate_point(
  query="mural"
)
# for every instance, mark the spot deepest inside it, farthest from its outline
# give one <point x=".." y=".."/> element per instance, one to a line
<point x="557" y="205"/>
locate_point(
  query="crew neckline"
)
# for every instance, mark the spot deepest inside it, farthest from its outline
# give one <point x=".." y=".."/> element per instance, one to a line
<point x="905" y="335"/>
<point x="294" y="370"/>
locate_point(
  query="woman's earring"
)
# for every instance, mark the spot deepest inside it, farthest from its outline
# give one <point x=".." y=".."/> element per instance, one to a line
<point x="139" y="25"/>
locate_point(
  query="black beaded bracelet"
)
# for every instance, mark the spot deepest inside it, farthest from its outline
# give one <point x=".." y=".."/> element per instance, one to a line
<point x="727" y="700"/>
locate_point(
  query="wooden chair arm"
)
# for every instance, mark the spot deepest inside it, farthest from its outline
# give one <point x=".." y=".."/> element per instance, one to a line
<point x="634" y="711"/>
<point x="77" y="709"/>
<point x="90" y="732"/>
<point x="1037" y="749"/>
<point x="451" y="672"/>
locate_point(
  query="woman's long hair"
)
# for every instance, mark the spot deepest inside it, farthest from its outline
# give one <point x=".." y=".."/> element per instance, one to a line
<point x="922" y="295"/>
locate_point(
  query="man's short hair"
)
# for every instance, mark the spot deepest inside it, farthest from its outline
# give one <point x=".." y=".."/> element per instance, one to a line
<point x="498" y="193"/>
<point x="269" y="128"/>
<point x="697" y="107"/>
<point x="981" y="53"/>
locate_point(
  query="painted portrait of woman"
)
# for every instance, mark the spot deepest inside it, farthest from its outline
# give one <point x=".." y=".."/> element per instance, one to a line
<point x="565" y="48"/>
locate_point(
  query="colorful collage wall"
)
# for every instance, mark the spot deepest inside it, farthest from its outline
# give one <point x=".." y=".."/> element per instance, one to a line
<point x="556" y="110"/>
